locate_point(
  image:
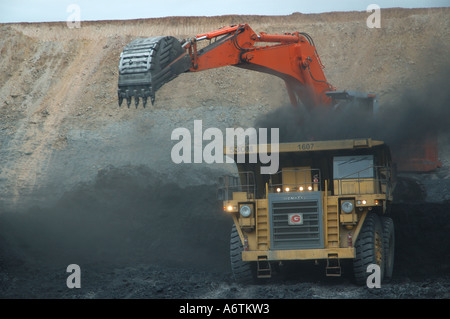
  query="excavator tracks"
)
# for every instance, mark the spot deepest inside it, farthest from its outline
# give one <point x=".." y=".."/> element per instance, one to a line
<point x="146" y="64"/>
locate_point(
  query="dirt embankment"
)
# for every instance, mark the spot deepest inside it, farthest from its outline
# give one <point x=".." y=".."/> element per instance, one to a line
<point x="58" y="92"/>
<point x="83" y="181"/>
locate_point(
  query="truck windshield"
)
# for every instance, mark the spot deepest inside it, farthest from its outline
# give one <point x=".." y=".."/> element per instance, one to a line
<point x="358" y="166"/>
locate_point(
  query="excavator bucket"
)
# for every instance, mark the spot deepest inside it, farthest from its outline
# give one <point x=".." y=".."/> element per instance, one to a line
<point x="146" y="64"/>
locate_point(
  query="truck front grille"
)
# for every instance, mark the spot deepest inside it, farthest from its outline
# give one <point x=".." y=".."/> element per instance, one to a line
<point x="307" y="235"/>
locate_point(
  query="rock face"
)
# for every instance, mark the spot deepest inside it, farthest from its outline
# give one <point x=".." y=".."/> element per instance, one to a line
<point x="82" y="179"/>
<point x="59" y="117"/>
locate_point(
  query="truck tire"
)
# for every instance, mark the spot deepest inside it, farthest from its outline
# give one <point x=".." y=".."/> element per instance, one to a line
<point x="243" y="272"/>
<point x="389" y="246"/>
<point x="369" y="249"/>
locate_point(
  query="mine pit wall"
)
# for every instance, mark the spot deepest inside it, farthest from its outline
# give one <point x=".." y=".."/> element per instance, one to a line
<point x="59" y="117"/>
<point x="86" y="152"/>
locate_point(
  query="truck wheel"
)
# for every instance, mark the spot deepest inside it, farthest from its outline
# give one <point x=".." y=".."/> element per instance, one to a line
<point x="369" y="248"/>
<point x="243" y="272"/>
<point x="389" y="246"/>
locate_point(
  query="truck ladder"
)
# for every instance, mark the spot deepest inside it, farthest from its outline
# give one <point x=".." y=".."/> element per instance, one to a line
<point x="264" y="269"/>
<point x="333" y="266"/>
<point x="262" y="229"/>
<point x="332" y="226"/>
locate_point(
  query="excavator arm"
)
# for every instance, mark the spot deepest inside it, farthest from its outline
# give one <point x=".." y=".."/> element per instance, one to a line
<point x="147" y="64"/>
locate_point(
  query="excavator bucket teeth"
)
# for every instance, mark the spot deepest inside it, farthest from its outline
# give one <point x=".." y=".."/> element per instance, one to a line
<point x="147" y="64"/>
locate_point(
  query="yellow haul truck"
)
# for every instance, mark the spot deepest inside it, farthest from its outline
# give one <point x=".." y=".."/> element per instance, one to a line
<point x="328" y="202"/>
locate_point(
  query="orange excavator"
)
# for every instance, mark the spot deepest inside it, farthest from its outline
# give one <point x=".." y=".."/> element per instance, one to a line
<point x="146" y="64"/>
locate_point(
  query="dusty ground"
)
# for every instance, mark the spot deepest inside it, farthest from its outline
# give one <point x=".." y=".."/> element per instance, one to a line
<point x="136" y="240"/>
<point x="82" y="181"/>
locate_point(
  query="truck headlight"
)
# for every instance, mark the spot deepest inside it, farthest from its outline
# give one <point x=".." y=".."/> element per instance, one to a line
<point x="245" y="211"/>
<point x="347" y="207"/>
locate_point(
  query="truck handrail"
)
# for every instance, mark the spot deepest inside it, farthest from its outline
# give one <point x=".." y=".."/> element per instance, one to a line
<point x="315" y="182"/>
<point x="233" y="183"/>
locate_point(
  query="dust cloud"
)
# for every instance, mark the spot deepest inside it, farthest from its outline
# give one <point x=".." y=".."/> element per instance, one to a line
<point x="416" y="113"/>
<point x="126" y="216"/>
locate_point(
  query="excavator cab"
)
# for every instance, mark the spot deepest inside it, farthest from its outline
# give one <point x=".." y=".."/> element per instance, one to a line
<point x="343" y="100"/>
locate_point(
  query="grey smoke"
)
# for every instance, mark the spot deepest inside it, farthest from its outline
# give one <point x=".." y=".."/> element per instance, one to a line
<point x="416" y="113"/>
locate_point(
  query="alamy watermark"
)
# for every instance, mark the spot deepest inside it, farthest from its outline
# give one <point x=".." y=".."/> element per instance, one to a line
<point x="73" y="21"/>
<point x="374" y="20"/>
<point x="190" y="148"/>
<point x="74" y="280"/>
<point x="374" y="279"/>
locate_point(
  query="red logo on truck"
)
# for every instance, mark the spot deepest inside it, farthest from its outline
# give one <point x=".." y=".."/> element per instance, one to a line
<point x="295" y="219"/>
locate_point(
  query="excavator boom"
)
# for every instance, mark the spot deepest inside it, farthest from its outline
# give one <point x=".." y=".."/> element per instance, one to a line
<point x="147" y="64"/>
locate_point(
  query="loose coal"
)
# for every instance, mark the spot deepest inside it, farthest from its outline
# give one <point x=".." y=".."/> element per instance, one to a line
<point x="125" y="216"/>
<point x="422" y="240"/>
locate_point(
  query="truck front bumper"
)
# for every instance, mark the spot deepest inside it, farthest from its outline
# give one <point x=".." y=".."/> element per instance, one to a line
<point x="304" y="254"/>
